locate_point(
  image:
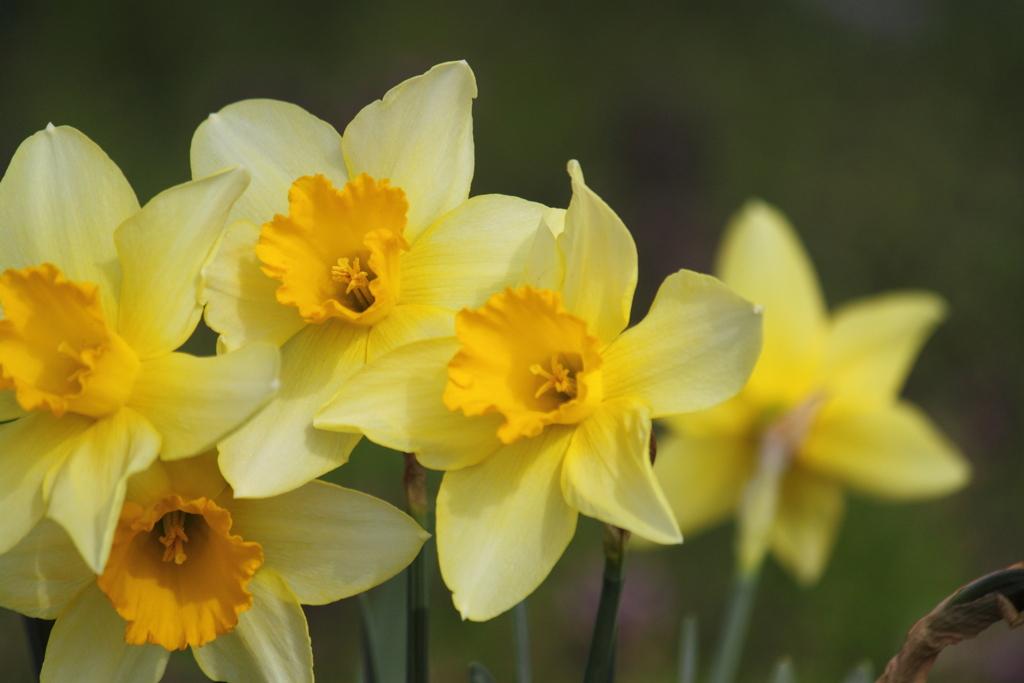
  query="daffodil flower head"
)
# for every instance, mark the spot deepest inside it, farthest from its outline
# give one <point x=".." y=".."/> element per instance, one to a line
<point x="97" y="294"/>
<point x="540" y="406"/>
<point x="346" y="247"/>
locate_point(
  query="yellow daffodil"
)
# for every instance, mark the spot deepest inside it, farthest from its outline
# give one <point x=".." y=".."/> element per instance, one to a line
<point x="345" y="248"/>
<point x="194" y="567"/>
<point x="540" y="408"/>
<point x="96" y="296"/>
<point x="822" y="407"/>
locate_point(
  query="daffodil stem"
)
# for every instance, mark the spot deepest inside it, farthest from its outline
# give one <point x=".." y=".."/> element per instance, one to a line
<point x="734" y="630"/>
<point x="524" y="667"/>
<point x="38" y="633"/>
<point x="417" y="661"/>
<point x="601" y="660"/>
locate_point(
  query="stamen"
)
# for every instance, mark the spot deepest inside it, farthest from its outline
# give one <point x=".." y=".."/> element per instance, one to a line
<point x="174" y="537"/>
<point x="358" y="280"/>
<point x="558" y="379"/>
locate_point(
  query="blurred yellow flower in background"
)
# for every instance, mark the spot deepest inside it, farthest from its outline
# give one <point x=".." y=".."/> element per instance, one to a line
<point x="820" y="414"/>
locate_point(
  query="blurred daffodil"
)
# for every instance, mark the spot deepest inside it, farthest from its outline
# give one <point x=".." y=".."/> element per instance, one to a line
<point x="194" y="567"/>
<point x="821" y="412"/>
<point x="345" y="248"/>
<point x="540" y="408"/>
<point x="96" y="296"/>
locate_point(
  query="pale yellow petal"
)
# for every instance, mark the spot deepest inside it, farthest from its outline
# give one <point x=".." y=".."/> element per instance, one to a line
<point x="762" y="259"/>
<point x="276" y="143"/>
<point x="279" y="449"/>
<point x="873" y="344"/>
<point x="892" y="452"/>
<point x="545" y="262"/>
<point x="60" y="201"/>
<point x="470" y="253"/>
<point x="419" y="136"/>
<point x="695" y="349"/>
<point x="806" y="524"/>
<point x="608" y="474"/>
<point x="502" y="524"/>
<point x="328" y="542"/>
<point x="408" y="323"/>
<point x="86" y="492"/>
<point x="162" y="249"/>
<point x="195" y="402"/>
<point x="43" y="574"/>
<point x="190" y="478"/>
<point x="9" y="408"/>
<point x="600" y="262"/>
<point x="270" y="643"/>
<point x="240" y="299"/>
<point x="396" y="402"/>
<point x="87" y="645"/>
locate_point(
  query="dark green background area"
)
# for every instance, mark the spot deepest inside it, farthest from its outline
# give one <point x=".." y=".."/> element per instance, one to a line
<point x="890" y="131"/>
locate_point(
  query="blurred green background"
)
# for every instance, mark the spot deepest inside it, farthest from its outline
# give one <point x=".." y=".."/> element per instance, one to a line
<point x="890" y="131"/>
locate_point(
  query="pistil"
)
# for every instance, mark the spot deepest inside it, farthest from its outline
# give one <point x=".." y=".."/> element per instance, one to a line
<point x="558" y="379"/>
<point x="358" y="281"/>
<point x="174" y="537"/>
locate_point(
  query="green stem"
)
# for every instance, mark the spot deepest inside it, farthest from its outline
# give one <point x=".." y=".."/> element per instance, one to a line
<point x="524" y="668"/>
<point x="688" y="643"/>
<point x="734" y="631"/>
<point x="601" y="660"/>
<point x="417" y="661"/>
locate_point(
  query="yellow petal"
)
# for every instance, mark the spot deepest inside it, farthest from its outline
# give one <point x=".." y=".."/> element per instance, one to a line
<point x="190" y="478"/>
<point x="162" y="249"/>
<point x="276" y="143"/>
<point x="873" y="344"/>
<point x="87" y="644"/>
<point x="806" y="524"/>
<point x="502" y="524"/>
<point x="762" y="259"/>
<point x="406" y="324"/>
<point x="470" y="253"/>
<point x="43" y="574"/>
<point x="9" y="408"/>
<point x="545" y="262"/>
<point x="893" y="452"/>
<point x="240" y="299"/>
<point x="328" y="542"/>
<point x="695" y="348"/>
<point x="194" y="402"/>
<point x="270" y="643"/>
<point x="60" y="201"/>
<point x="608" y="475"/>
<point x="600" y="261"/>
<point x="396" y="402"/>
<point x="279" y="449"/>
<point x="420" y="136"/>
<point x="86" y="491"/>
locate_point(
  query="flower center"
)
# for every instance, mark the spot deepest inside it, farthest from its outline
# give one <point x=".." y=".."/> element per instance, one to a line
<point x="165" y="599"/>
<point x="525" y="356"/>
<point x="57" y="350"/>
<point x="338" y="252"/>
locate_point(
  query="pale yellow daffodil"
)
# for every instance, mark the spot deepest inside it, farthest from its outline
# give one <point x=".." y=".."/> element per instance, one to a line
<point x="345" y="248"/>
<point x="826" y="391"/>
<point x="194" y="567"/>
<point x="97" y="294"/>
<point x="540" y="408"/>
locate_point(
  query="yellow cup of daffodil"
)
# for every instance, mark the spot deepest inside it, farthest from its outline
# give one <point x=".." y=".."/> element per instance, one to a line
<point x="540" y="407"/>
<point x="96" y="295"/>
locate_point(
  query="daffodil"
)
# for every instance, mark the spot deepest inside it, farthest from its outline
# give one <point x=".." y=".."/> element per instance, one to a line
<point x="194" y="567"/>
<point x="96" y="295"/>
<point x="540" y="407"/>
<point x="346" y="247"/>
<point x="822" y="407"/>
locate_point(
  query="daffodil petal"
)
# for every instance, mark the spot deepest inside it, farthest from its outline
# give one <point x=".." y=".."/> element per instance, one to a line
<point x="86" y="491"/>
<point x="87" y="644"/>
<point x="328" y="542"/>
<point x="396" y="402"/>
<point x="240" y="299"/>
<point x="190" y="478"/>
<point x="279" y="449"/>
<point x="471" y="252"/>
<point x="9" y="408"/>
<point x="502" y="524"/>
<point x="29" y="449"/>
<point x="608" y="474"/>
<point x="270" y="643"/>
<point x="43" y="574"/>
<point x="276" y="143"/>
<point x="162" y="249"/>
<point x="420" y="137"/>
<point x="195" y="402"/>
<point x="545" y="262"/>
<point x="762" y="259"/>
<point x="806" y="524"/>
<point x="892" y="452"/>
<point x="600" y="261"/>
<point x="60" y="200"/>
<point x="406" y="324"/>
<point x="873" y="344"/>
<point x="695" y="349"/>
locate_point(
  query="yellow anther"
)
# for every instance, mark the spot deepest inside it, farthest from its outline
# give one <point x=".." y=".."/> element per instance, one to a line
<point x="174" y="537"/>
<point x="358" y="280"/>
<point x="558" y="379"/>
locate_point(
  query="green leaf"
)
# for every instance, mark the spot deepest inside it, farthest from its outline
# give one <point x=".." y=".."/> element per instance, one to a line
<point x="384" y="618"/>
